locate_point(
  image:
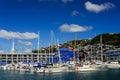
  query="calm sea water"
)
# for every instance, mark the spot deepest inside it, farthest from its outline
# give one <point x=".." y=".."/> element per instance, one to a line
<point x="99" y="75"/>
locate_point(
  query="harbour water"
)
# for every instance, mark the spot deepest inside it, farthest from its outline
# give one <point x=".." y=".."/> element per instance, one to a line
<point x="98" y="75"/>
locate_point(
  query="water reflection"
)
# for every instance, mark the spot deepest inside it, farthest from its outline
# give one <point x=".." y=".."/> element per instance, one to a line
<point x="99" y="75"/>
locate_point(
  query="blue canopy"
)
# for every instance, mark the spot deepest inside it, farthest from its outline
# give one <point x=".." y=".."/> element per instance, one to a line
<point x="65" y="54"/>
<point x="3" y="63"/>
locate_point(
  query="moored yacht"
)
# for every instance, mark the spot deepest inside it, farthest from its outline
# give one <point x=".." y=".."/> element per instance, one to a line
<point x="113" y="65"/>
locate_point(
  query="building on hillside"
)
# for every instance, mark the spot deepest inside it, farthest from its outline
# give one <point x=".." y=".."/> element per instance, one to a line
<point x="112" y="55"/>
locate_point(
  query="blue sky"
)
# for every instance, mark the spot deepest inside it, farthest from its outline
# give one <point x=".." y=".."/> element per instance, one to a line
<point x="63" y="17"/>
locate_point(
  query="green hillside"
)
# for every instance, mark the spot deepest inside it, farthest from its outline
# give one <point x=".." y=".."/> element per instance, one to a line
<point x="108" y="38"/>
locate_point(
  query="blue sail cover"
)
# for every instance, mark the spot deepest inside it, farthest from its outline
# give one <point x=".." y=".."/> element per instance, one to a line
<point x="65" y="54"/>
<point x="3" y="63"/>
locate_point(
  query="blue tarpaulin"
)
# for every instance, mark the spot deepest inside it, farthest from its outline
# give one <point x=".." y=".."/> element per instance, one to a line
<point x="3" y="63"/>
<point x="65" y="54"/>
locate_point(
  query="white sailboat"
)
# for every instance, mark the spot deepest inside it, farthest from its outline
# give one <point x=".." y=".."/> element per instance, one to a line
<point x="87" y="66"/>
<point x="54" y="68"/>
<point x="113" y="65"/>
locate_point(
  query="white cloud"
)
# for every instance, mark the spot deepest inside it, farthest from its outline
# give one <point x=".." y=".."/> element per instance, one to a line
<point x="98" y="7"/>
<point x="74" y="28"/>
<point x="65" y="1"/>
<point x="9" y="35"/>
<point x="75" y="13"/>
<point x="25" y="43"/>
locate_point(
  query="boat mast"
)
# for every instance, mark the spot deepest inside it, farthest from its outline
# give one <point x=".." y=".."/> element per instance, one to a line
<point x="101" y="47"/>
<point x="49" y="53"/>
<point x="91" y="53"/>
<point x="52" y="45"/>
<point x="59" y="52"/>
<point x="38" y="47"/>
<point x="75" y="46"/>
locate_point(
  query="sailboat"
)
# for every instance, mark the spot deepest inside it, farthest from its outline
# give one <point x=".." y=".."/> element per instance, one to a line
<point x="111" y="65"/>
<point x="87" y="66"/>
<point x="54" y="68"/>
